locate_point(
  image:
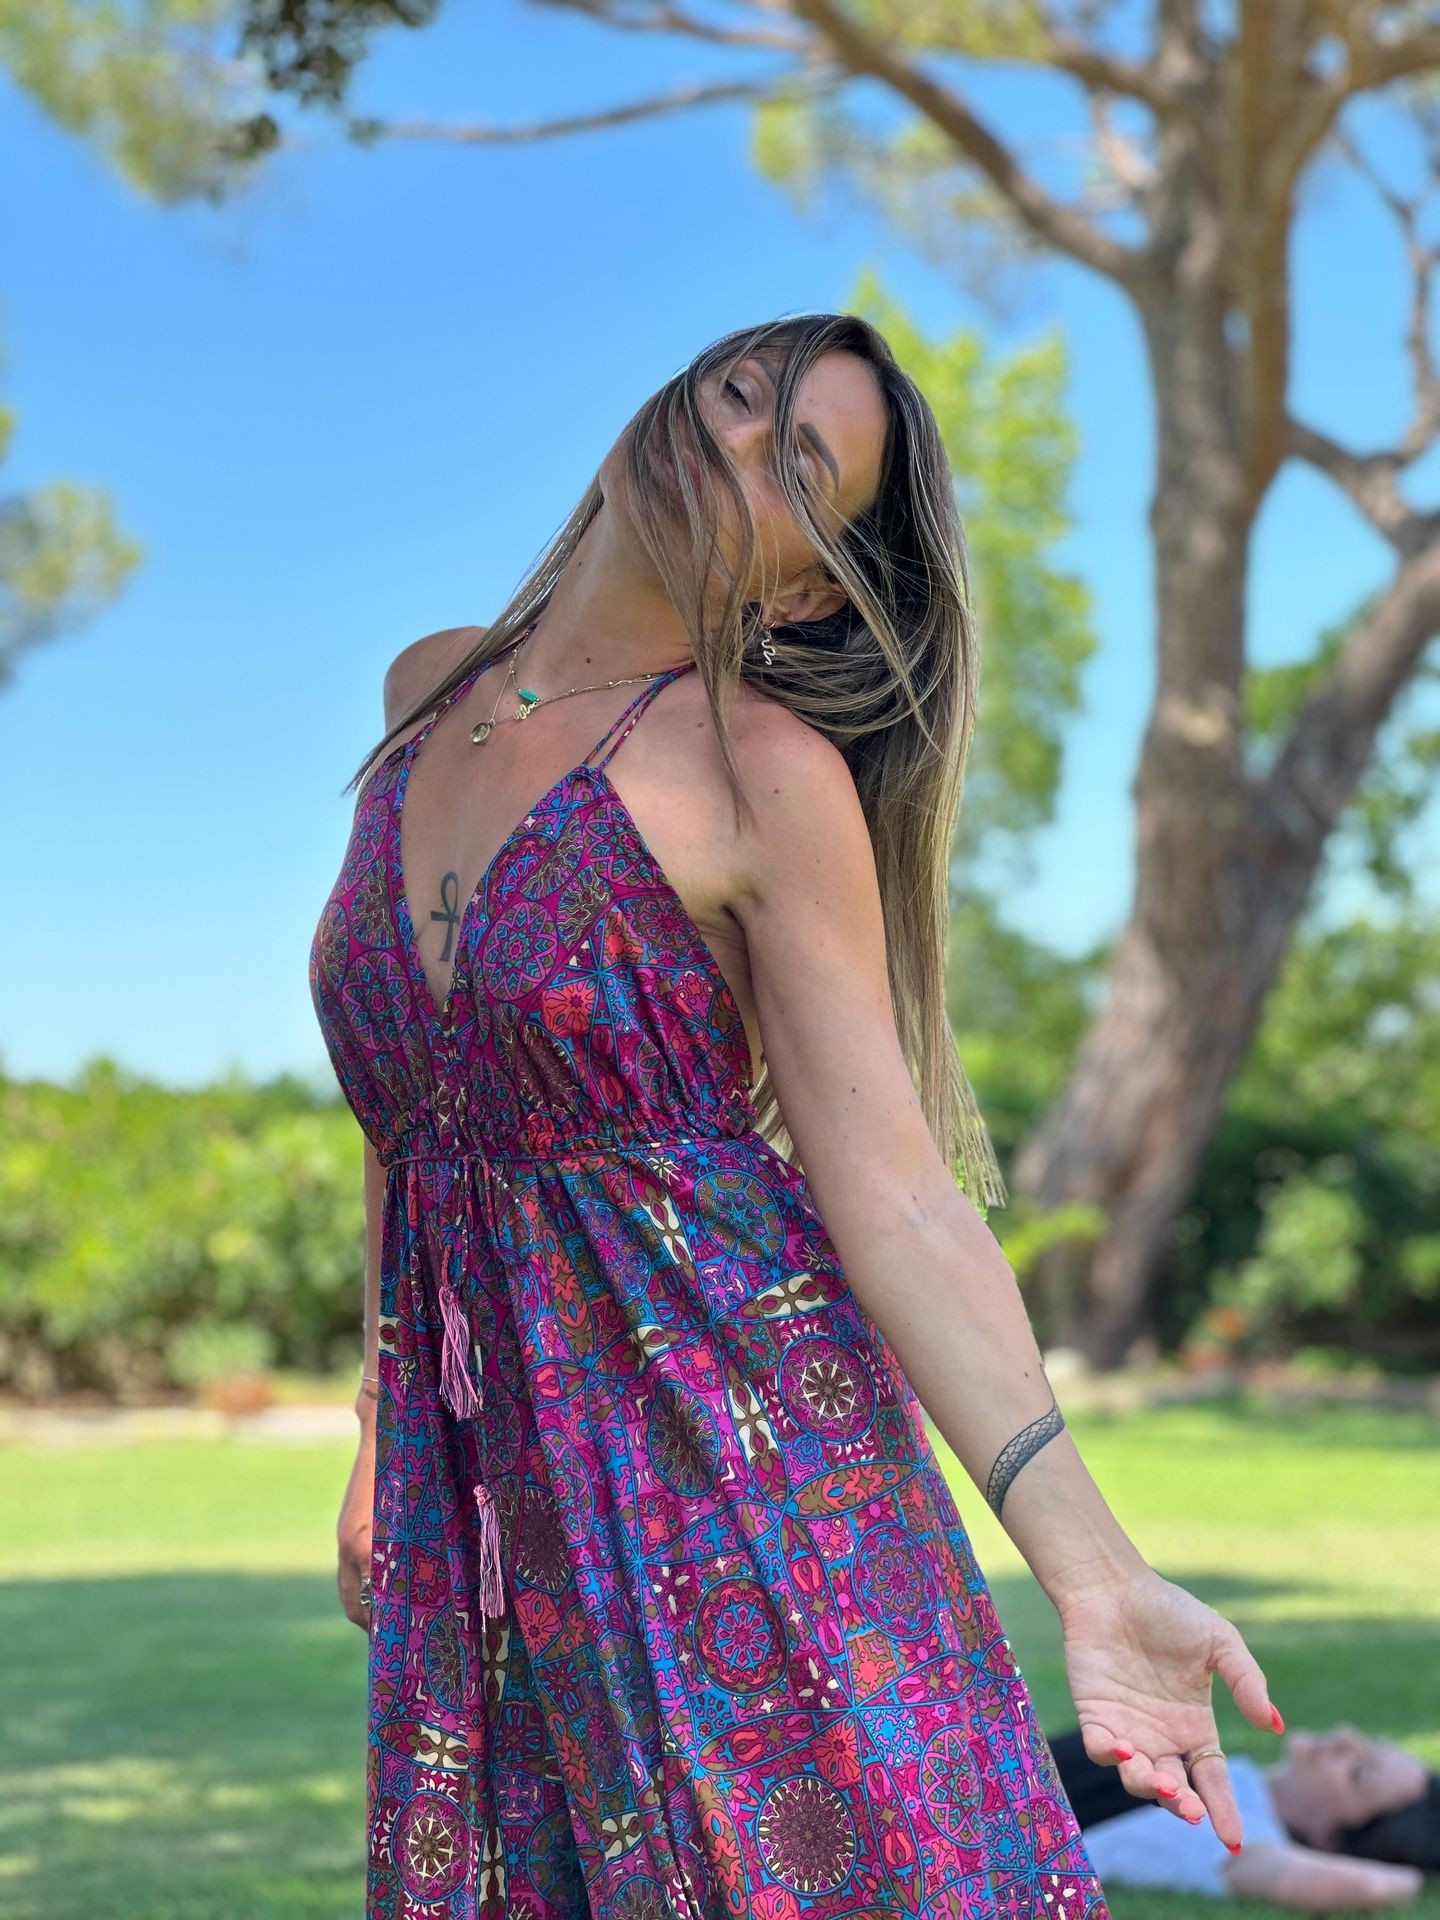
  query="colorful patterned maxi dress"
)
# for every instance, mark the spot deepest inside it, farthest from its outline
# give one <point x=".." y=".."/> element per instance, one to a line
<point x="674" y="1616"/>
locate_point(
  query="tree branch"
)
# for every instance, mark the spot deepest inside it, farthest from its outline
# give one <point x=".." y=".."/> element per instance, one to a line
<point x="1368" y="479"/>
<point x="1130" y="166"/>
<point x="476" y="133"/>
<point x="1333" y="737"/>
<point x="1423" y="260"/>
<point x="1372" y="480"/>
<point x="1414" y="53"/>
<point x="1367" y="66"/>
<point x="663" y="17"/>
<point x="1060" y="225"/>
<point x="1111" y="75"/>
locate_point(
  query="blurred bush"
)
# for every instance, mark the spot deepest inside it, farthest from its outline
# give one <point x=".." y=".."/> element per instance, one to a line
<point x="154" y="1239"/>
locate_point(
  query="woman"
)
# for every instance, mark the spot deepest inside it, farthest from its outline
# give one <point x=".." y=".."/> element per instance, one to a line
<point x="669" y="1607"/>
<point x="1339" y="1822"/>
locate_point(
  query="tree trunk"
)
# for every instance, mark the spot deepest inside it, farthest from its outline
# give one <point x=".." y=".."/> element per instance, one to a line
<point x="1226" y="861"/>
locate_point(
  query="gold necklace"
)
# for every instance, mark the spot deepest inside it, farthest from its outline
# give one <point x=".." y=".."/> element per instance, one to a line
<point x="529" y="700"/>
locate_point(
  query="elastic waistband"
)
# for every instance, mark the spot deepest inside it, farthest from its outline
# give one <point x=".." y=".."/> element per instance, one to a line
<point x="571" y="1150"/>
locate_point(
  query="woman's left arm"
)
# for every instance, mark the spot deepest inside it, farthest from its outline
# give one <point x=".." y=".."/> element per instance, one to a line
<point x="931" y="1275"/>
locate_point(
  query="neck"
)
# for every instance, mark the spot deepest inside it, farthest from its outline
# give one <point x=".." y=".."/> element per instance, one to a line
<point x="607" y="617"/>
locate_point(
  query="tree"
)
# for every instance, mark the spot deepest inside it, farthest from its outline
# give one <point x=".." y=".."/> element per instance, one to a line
<point x="1202" y="140"/>
<point x="61" y="556"/>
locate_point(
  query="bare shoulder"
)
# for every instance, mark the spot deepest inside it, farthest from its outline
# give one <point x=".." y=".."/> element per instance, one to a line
<point x="807" y="812"/>
<point x="422" y="665"/>
<point x="801" y="791"/>
<point x="782" y="759"/>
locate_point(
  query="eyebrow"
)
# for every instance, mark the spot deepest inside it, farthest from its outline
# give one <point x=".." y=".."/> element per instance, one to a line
<point x="811" y="432"/>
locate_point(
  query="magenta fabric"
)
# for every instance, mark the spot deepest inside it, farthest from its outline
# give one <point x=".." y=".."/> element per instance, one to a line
<point x="674" y="1615"/>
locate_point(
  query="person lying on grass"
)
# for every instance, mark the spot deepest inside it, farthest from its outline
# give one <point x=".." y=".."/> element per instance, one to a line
<point x="1339" y="1821"/>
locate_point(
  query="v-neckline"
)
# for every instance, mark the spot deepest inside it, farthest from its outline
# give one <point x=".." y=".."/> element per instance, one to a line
<point x="442" y="1017"/>
<point x="439" y="1019"/>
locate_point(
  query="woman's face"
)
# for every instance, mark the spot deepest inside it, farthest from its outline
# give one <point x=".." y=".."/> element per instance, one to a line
<point x="839" y="435"/>
<point x="1342" y="1779"/>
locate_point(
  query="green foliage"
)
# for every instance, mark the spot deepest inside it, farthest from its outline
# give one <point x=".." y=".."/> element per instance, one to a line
<point x="910" y="176"/>
<point x="1011" y="446"/>
<point x="210" y="1350"/>
<point x="1309" y="1252"/>
<point x="1346" y="1248"/>
<point x="152" y="1238"/>
<point x="136" y="1224"/>
<point x="1316" y="1217"/>
<point x="311" y="48"/>
<point x="62" y="557"/>
<point x="1318" y="1209"/>
<point x="1019" y="1010"/>
<point x="155" y="88"/>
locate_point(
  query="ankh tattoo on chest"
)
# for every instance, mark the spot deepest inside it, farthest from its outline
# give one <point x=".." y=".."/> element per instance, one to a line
<point x="450" y="911"/>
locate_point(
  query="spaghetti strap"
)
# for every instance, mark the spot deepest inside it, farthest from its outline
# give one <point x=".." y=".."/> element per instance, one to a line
<point x="443" y="705"/>
<point x="463" y="686"/>
<point x="629" y="715"/>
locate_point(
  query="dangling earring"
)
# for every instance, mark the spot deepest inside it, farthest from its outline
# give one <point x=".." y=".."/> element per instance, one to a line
<point x="767" y="645"/>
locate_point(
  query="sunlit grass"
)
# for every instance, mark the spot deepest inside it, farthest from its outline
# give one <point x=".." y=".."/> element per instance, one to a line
<point x="184" y="1722"/>
<point x="1316" y="1531"/>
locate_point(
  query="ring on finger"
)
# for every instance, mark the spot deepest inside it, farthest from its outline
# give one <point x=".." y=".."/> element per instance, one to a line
<point x="1188" y="1760"/>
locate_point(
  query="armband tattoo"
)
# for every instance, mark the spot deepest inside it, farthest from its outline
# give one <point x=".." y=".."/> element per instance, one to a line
<point x="1013" y="1455"/>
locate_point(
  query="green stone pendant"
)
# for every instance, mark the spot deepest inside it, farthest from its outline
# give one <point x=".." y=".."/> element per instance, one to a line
<point x="529" y="699"/>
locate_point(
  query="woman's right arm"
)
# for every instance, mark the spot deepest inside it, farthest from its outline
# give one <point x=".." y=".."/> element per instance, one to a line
<point x="1140" y="1651"/>
<point x="353" y="1528"/>
<point x="413" y="669"/>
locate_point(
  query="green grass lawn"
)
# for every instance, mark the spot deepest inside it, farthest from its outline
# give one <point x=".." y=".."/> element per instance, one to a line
<point x="184" y="1720"/>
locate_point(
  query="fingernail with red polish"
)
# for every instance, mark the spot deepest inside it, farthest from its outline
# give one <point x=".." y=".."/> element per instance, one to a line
<point x="1125" y="1753"/>
<point x="1275" y="1720"/>
<point x="1235" y="1848"/>
<point x="1169" y="1792"/>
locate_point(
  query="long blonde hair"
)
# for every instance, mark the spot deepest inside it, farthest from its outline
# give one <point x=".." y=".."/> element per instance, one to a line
<point x="891" y="679"/>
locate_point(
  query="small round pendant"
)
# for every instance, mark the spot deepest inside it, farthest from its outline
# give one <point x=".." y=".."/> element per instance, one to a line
<point x="480" y="732"/>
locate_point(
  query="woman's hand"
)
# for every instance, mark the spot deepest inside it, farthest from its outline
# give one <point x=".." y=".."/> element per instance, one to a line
<point x="1139" y="1655"/>
<point x="353" y="1529"/>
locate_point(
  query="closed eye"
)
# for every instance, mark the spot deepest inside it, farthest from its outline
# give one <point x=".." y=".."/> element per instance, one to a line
<point x="809" y="478"/>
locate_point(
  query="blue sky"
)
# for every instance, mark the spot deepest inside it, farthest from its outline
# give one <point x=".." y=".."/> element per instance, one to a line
<point x="351" y="408"/>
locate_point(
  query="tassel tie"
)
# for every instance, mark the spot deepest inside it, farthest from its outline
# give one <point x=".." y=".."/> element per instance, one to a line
<point x="464" y="1399"/>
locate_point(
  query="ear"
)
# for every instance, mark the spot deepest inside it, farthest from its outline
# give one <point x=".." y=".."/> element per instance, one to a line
<point x="816" y="601"/>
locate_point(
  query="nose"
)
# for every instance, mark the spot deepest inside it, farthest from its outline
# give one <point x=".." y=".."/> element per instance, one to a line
<point x="748" y="441"/>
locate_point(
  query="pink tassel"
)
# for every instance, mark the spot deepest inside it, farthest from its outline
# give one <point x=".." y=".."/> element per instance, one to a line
<point x="456" y="1385"/>
<point x="492" y="1586"/>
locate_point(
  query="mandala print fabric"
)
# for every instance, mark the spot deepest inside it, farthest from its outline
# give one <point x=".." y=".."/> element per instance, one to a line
<point x="674" y="1616"/>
